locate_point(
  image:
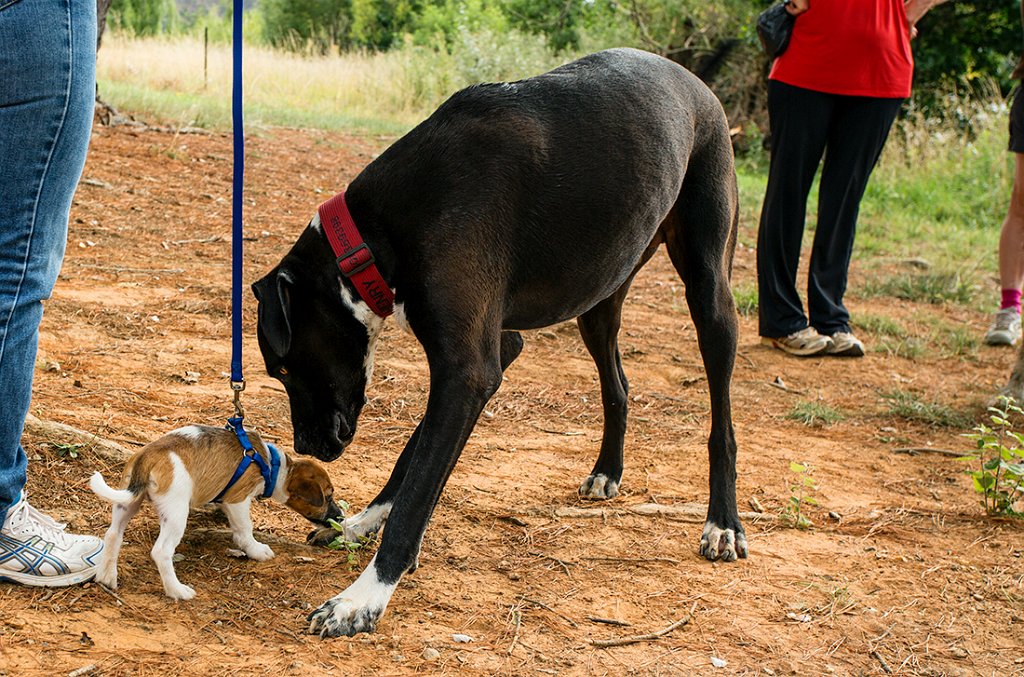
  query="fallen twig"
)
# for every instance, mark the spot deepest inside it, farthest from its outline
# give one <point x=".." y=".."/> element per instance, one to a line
<point x="561" y="563"/>
<point x="650" y="637"/>
<point x="885" y="666"/>
<point x="914" y="451"/>
<point x="82" y="671"/>
<point x="542" y="605"/>
<point x="109" y="451"/>
<point x="632" y="560"/>
<point x="609" y="621"/>
<point x="686" y="512"/>
<point x="518" y="616"/>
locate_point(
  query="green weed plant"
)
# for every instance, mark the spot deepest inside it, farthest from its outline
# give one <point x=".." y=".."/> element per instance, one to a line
<point x="999" y="460"/>
<point x="800" y="486"/>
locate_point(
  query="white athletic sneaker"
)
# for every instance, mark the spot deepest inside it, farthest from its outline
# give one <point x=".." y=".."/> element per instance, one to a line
<point x="845" y="344"/>
<point x="35" y="550"/>
<point x="802" y="343"/>
<point x="1005" y="329"/>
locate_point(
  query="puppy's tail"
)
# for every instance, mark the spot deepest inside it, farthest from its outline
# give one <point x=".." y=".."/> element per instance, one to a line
<point x="100" y="487"/>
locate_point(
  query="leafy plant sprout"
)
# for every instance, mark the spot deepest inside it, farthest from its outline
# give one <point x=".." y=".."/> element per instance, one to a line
<point x="800" y="486"/>
<point x="999" y="457"/>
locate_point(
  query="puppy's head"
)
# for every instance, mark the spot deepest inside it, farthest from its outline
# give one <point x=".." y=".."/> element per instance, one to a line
<point x="311" y="493"/>
<point x="316" y="337"/>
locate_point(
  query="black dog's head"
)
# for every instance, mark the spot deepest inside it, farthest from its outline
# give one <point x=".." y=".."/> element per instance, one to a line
<point x="316" y="341"/>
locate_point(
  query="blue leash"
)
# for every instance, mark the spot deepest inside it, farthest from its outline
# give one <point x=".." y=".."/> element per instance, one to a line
<point x="249" y="454"/>
<point x="238" y="182"/>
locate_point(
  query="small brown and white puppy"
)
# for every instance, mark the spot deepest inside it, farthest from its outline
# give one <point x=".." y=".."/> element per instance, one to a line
<point x="187" y="468"/>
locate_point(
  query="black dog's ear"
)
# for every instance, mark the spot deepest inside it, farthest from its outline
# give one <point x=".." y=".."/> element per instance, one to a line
<point x="274" y="311"/>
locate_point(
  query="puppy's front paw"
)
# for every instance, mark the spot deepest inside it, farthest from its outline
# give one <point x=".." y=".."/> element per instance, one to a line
<point x="720" y="543"/>
<point x="322" y="536"/>
<point x="260" y="552"/>
<point x="180" y="592"/>
<point x="343" y="616"/>
<point x="599" y="487"/>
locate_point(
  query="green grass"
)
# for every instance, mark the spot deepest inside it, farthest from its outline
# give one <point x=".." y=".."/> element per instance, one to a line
<point x="164" y="80"/>
<point x="933" y="287"/>
<point x="814" y="414"/>
<point x="879" y="325"/>
<point x="958" y="340"/>
<point x="745" y="296"/>
<point x="907" y="347"/>
<point x="909" y="406"/>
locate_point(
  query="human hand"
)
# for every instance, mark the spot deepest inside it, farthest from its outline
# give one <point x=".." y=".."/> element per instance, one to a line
<point x="798" y="7"/>
<point x="915" y="10"/>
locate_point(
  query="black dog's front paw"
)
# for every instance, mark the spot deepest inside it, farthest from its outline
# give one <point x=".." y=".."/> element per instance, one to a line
<point x="337" y="617"/>
<point x="599" y="487"/>
<point x="726" y="544"/>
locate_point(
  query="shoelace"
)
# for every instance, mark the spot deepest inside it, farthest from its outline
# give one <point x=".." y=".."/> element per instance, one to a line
<point x="23" y="514"/>
<point x="1005" y="320"/>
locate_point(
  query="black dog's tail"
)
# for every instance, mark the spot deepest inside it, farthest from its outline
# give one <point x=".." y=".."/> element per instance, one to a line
<point x="709" y="66"/>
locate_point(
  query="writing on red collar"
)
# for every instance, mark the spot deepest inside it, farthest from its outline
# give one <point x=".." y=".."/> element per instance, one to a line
<point x="354" y="257"/>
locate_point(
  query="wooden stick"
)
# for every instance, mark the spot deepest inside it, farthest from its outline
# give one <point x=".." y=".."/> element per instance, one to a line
<point x="687" y="512"/>
<point x="914" y="451"/>
<point x="542" y="605"/>
<point x="631" y="560"/>
<point x="518" y="615"/>
<point x="561" y="563"/>
<point x="885" y="666"/>
<point x="609" y="621"/>
<point x="650" y="637"/>
<point x="112" y="452"/>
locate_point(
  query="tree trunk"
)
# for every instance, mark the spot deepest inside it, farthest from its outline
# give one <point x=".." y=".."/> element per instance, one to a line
<point x="101" y="20"/>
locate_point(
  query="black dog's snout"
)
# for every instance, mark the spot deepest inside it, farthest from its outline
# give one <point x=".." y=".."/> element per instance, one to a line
<point x="343" y="430"/>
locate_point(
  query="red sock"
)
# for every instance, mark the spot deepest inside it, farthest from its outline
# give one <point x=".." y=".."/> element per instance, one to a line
<point x="1011" y="299"/>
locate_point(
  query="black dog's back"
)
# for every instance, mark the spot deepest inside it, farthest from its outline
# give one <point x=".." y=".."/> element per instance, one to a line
<point x="593" y="151"/>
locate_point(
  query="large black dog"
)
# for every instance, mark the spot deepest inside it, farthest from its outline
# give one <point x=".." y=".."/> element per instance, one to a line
<point x="514" y="206"/>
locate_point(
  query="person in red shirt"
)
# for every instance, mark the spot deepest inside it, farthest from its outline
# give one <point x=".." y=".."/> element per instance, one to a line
<point x="1005" y="328"/>
<point x="835" y="91"/>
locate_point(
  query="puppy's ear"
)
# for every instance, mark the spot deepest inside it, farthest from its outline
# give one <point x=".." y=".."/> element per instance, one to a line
<point x="274" y="312"/>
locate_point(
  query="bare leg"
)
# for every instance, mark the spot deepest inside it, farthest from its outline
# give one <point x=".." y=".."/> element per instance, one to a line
<point x="1011" y="239"/>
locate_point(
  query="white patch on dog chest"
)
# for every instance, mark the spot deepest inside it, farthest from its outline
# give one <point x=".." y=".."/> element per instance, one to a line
<point x="401" y="320"/>
<point x="314" y="223"/>
<point x="369" y="319"/>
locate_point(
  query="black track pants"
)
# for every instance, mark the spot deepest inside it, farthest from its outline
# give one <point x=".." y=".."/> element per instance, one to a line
<point x="850" y="131"/>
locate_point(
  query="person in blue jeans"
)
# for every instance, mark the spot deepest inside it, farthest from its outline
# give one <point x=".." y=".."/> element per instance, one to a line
<point x="47" y="93"/>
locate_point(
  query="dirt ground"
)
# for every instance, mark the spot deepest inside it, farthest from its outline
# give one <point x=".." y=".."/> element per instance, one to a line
<point x="906" y="575"/>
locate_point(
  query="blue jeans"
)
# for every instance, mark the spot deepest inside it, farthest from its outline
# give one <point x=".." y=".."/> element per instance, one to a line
<point x="47" y="93"/>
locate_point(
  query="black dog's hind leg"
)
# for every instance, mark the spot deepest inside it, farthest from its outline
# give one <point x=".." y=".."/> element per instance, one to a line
<point x="370" y="521"/>
<point x="701" y="236"/>
<point x="599" y="328"/>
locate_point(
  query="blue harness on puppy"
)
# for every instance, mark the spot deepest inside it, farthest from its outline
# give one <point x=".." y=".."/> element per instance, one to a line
<point x="250" y="456"/>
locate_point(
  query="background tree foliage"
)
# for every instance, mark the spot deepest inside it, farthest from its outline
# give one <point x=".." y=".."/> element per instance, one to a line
<point x="960" y="43"/>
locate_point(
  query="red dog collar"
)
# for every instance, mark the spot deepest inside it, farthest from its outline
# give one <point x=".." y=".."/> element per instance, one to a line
<point x="354" y="257"/>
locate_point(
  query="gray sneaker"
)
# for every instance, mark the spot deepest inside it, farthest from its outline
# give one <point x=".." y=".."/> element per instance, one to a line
<point x="803" y="343"/>
<point x="35" y="550"/>
<point x="1005" y="329"/>
<point x="845" y="344"/>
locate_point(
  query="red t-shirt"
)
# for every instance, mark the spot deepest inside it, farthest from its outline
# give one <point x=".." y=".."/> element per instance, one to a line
<point x="852" y="47"/>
